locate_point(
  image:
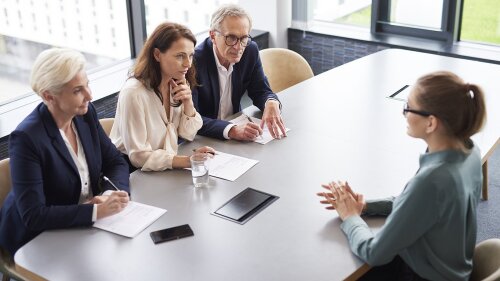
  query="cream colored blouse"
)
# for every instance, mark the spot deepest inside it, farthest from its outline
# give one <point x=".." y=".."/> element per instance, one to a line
<point x="142" y="130"/>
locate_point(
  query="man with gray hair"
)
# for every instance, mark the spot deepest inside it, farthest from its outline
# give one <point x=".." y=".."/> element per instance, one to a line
<point x="228" y="65"/>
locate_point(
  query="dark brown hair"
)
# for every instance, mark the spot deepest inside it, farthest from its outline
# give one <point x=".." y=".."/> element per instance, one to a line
<point x="147" y="69"/>
<point x="459" y="105"/>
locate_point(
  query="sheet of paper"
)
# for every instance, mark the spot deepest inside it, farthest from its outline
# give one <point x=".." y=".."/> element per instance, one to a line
<point x="266" y="135"/>
<point x="131" y="220"/>
<point x="228" y="166"/>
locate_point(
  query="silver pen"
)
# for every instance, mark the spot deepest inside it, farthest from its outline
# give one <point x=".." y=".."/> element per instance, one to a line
<point x="108" y="180"/>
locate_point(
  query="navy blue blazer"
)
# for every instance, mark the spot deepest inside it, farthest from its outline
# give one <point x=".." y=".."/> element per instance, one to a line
<point x="46" y="185"/>
<point x="247" y="75"/>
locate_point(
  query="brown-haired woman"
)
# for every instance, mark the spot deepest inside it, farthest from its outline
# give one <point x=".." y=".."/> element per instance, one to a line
<point x="430" y="231"/>
<point x="155" y="105"/>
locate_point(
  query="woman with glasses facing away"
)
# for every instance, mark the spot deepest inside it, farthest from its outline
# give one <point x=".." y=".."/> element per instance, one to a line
<point x="155" y="105"/>
<point x="57" y="156"/>
<point x="430" y="231"/>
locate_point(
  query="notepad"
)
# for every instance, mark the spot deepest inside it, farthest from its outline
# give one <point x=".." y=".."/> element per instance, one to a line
<point x="131" y="220"/>
<point x="266" y="135"/>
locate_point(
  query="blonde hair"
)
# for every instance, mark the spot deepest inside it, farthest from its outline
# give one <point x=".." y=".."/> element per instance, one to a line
<point x="228" y="10"/>
<point x="460" y="105"/>
<point x="55" y="67"/>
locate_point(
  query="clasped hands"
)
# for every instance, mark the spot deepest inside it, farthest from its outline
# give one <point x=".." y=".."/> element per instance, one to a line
<point x="343" y="199"/>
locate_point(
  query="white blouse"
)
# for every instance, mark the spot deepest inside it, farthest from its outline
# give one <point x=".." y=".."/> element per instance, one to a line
<point x="226" y="88"/>
<point x="142" y="130"/>
<point x="80" y="163"/>
<point x="83" y="169"/>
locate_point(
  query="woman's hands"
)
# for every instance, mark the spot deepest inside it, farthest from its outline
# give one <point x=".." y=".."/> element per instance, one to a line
<point x="182" y="161"/>
<point x="342" y="199"/>
<point x="205" y="149"/>
<point x="181" y="92"/>
<point x="110" y="205"/>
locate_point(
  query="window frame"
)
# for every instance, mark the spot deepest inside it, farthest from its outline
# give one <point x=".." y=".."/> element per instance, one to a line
<point x="445" y="42"/>
<point x="448" y="37"/>
<point x="450" y="22"/>
<point x="136" y="14"/>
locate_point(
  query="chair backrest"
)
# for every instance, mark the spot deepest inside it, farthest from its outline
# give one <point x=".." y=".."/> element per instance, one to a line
<point x="5" y="186"/>
<point x="7" y="266"/>
<point x="284" y="68"/>
<point x="5" y="183"/>
<point x="107" y="124"/>
<point x="486" y="261"/>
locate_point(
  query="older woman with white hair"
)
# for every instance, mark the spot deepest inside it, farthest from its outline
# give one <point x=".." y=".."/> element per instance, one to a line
<point x="58" y="154"/>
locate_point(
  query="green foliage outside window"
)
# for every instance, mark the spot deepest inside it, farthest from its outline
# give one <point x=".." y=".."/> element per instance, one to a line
<point x="481" y="21"/>
<point x="360" y="18"/>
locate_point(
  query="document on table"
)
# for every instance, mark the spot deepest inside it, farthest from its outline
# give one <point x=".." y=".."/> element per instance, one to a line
<point x="266" y="135"/>
<point x="131" y="220"/>
<point x="228" y="166"/>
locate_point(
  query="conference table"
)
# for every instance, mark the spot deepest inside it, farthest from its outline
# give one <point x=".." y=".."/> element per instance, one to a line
<point x="343" y="127"/>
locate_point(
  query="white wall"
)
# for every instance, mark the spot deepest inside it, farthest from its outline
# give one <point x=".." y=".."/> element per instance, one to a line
<point x="274" y="16"/>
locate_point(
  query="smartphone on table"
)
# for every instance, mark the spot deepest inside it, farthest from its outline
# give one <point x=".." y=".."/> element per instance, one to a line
<point x="172" y="233"/>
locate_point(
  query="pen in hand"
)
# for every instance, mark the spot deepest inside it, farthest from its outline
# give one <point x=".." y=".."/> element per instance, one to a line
<point x="209" y="152"/>
<point x="108" y="180"/>
<point x="250" y="120"/>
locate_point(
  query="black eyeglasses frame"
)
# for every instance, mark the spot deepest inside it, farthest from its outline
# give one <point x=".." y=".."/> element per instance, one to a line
<point x="238" y="39"/>
<point x="407" y="109"/>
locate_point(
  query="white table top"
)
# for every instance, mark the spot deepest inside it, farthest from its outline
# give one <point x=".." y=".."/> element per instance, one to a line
<point x="342" y="128"/>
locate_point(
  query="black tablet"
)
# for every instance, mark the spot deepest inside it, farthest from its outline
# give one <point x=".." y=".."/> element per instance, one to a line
<point x="245" y="205"/>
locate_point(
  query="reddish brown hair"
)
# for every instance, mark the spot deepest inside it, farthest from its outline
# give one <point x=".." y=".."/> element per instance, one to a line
<point x="147" y="69"/>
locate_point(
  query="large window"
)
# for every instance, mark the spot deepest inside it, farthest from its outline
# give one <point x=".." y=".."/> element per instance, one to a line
<point x="421" y="13"/>
<point x="348" y="12"/>
<point x="110" y="33"/>
<point x="97" y="28"/>
<point x="195" y="14"/>
<point x="445" y="21"/>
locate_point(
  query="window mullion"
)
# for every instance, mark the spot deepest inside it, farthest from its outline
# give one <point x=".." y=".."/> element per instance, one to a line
<point x="456" y="10"/>
<point x="137" y="25"/>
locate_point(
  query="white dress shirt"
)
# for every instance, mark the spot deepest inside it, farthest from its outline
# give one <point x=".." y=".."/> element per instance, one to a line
<point x="142" y="130"/>
<point x="83" y="168"/>
<point x="226" y="89"/>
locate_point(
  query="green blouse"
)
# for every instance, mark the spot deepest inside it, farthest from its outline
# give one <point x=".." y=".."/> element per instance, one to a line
<point x="432" y="224"/>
